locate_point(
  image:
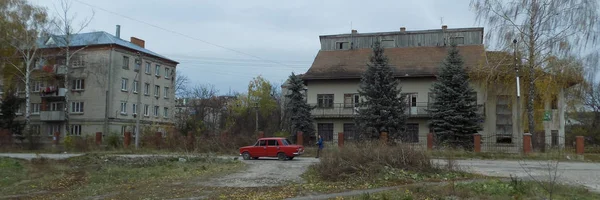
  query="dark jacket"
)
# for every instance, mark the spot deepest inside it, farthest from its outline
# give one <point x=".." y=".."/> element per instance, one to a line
<point x="320" y="143"/>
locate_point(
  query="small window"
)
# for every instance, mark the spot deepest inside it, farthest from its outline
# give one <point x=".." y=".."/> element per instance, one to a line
<point x="388" y="43"/>
<point x="342" y="45"/>
<point x="134" y="108"/>
<point x="351" y="100"/>
<point x="123" y="108"/>
<point x="167" y="72"/>
<point x="457" y="40"/>
<point x="56" y="106"/>
<point x="135" y="86"/>
<point x="157" y="70"/>
<point x="76" y="130"/>
<point x="156" y="90"/>
<point x="78" y="84"/>
<point x="77" y="107"/>
<point x="146" y="88"/>
<point x="146" y="110"/>
<point x="412" y="134"/>
<point x="272" y="143"/>
<point x="148" y="66"/>
<point x="125" y="62"/>
<point x="124" y="84"/>
<point x="35" y="108"/>
<point x="137" y="65"/>
<point x="166" y="93"/>
<point x="325" y="100"/>
<point x="156" y="110"/>
<point x="165" y="112"/>
<point x="37" y="86"/>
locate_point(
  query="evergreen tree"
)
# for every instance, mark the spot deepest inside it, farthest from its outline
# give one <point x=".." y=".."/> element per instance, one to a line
<point x="383" y="106"/>
<point x="454" y="117"/>
<point x="298" y="109"/>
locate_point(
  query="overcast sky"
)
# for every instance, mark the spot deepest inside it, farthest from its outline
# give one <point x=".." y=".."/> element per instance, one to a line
<point x="286" y="32"/>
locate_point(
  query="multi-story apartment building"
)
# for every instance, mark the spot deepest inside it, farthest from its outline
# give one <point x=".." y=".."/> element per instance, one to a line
<point x="109" y="78"/>
<point x="333" y="80"/>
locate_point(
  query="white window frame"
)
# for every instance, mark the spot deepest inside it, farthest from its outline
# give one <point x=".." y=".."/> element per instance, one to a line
<point x="157" y="70"/>
<point x="157" y="90"/>
<point x="37" y="86"/>
<point x="156" y="110"/>
<point x="166" y="95"/>
<point x="35" y="108"/>
<point x="125" y="62"/>
<point x="146" y="89"/>
<point x="148" y="67"/>
<point x="78" y="84"/>
<point x="137" y="65"/>
<point x="166" y="112"/>
<point x="167" y="72"/>
<point x="77" y="107"/>
<point x="56" y="106"/>
<point x="146" y="110"/>
<point x="75" y="130"/>
<point x="135" y="86"/>
<point x="124" y="82"/>
<point x="134" y="108"/>
<point x="123" y="108"/>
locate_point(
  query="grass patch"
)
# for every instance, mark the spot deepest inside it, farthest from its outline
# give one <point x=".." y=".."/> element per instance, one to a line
<point x="553" y="154"/>
<point x="99" y="175"/>
<point x="490" y="189"/>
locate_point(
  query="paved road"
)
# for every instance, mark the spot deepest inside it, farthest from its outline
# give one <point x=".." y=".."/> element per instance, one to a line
<point x="573" y="173"/>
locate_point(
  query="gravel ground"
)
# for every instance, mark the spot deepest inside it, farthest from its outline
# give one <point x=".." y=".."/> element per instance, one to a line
<point x="265" y="172"/>
<point x="29" y="156"/>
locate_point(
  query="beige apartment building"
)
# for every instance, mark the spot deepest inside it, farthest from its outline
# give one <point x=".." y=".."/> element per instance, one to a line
<point x="110" y="79"/>
<point x="333" y="80"/>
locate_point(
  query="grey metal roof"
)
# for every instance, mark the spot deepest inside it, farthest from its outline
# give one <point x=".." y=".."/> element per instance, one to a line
<point x="94" y="38"/>
<point x="400" y="32"/>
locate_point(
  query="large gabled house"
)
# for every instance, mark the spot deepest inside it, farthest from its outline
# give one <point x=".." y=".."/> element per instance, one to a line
<point x="333" y="80"/>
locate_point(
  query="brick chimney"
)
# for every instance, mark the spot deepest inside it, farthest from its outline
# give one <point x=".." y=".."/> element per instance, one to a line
<point x="354" y="31"/>
<point x="444" y="27"/>
<point x="402" y="29"/>
<point x="138" y="42"/>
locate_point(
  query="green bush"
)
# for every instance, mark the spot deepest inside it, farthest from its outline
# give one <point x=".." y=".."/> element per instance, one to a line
<point x="113" y="140"/>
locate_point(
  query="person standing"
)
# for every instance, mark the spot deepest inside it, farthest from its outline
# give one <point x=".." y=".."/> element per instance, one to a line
<point x="320" y="144"/>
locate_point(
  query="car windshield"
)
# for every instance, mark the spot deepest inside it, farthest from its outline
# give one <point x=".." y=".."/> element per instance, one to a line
<point x="286" y="142"/>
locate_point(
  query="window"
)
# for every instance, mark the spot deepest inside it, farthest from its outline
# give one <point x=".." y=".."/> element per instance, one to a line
<point x="76" y="130"/>
<point x="167" y="72"/>
<point x="430" y="99"/>
<point x="135" y="86"/>
<point x="148" y="67"/>
<point x="156" y="111"/>
<point x="77" y="107"/>
<point x="77" y="63"/>
<point x="134" y="108"/>
<point x="56" y="106"/>
<point x="165" y="112"/>
<point x="35" y="108"/>
<point x="123" y="108"/>
<point x="504" y="123"/>
<point x="19" y="109"/>
<point x="124" y="84"/>
<point x="325" y="100"/>
<point x="349" y="133"/>
<point x="35" y="129"/>
<point x="156" y="90"/>
<point x="350" y="100"/>
<point x="54" y="128"/>
<point x="157" y="70"/>
<point x="410" y="99"/>
<point x="272" y="143"/>
<point x="261" y="143"/>
<point x="166" y="95"/>
<point x="457" y="40"/>
<point x="342" y="45"/>
<point x="146" y="88"/>
<point x="325" y="130"/>
<point x="78" y="84"/>
<point x="37" y="86"/>
<point x="137" y="65"/>
<point x="412" y="134"/>
<point x="125" y="62"/>
<point x="388" y="43"/>
<point x="146" y="108"/>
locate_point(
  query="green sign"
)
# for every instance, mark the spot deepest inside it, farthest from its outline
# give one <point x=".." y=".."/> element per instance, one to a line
<point x="547" y="115"/>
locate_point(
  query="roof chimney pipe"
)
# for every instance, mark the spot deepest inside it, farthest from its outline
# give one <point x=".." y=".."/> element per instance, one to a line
<point x="118" y="34"/>
<point x="354" y="31"/>
<point x="403" y="29"/>
<point x="444" y="27"/>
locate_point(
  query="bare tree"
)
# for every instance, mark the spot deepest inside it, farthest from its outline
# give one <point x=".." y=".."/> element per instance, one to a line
<point x="65" y="31"/>
<point x="24" y="23"/>
<point x="543" y="28"/>
<point x="181" y="83"/>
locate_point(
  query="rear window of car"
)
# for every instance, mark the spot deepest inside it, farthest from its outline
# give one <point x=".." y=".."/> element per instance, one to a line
<point x="286" y="142"/>
<point x="272" y="142"/>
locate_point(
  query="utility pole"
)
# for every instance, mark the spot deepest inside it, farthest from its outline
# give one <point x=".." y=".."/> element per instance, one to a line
<point x="139" y="102"/>
<point x="518" y="87"/>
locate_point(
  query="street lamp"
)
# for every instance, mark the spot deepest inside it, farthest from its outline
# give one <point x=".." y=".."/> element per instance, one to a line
<point x="518" y="86"/>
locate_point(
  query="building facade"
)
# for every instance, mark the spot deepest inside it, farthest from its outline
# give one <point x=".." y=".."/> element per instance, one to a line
<point x="112" y="82"/>
<point x="333" y="80"/>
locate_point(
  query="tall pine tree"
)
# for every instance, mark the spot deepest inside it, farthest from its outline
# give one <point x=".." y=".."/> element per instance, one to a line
<point x="454" y="117"/>
<point x="383" y="106"/>
<point x="298" y="109"/>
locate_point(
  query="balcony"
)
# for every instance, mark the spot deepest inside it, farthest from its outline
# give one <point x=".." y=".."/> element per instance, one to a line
<point x="52" y="116"/>
<point x="53" y="92"/>
<point x="341" y="110"/>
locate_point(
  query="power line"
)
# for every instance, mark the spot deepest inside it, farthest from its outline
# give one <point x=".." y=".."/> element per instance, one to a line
<point x="178" y="33"/>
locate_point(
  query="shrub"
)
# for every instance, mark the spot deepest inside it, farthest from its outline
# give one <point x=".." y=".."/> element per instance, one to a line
<point x="113" y="140"/>
<point x="68" y="142"/>
<point x="369" y="159"/>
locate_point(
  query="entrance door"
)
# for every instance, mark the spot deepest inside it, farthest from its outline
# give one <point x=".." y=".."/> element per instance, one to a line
<point x="411" y="101"/>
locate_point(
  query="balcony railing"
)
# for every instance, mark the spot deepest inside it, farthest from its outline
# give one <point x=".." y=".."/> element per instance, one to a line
<point x="50" y="92"/>
<point x="52" y="116"/>
<point x="342" y="110"/>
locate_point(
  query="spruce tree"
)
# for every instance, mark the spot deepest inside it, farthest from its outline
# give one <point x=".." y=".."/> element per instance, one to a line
<point x="298" y="108"/>
<point x="383" y="106"/>
<point x="454" y="117"/>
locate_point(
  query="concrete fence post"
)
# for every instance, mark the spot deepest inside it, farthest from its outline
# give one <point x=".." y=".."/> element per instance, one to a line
<point x="299" y="138"/>
<point x="527" y="143"/>
<point x="98" y="138"/>
<point x="579" y="144"/>
<point x="477" y="142"/>
<point x="429" y="141"/>
<point x="340" y="139"/>
<point x="127" y="139"/>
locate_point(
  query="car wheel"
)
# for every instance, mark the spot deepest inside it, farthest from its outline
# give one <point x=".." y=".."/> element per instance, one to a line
<point x="246" y="156"/>
<point x="281" y="156"/>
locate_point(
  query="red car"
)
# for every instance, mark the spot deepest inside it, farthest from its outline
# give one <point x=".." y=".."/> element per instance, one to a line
<point x="278" y="147"/>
